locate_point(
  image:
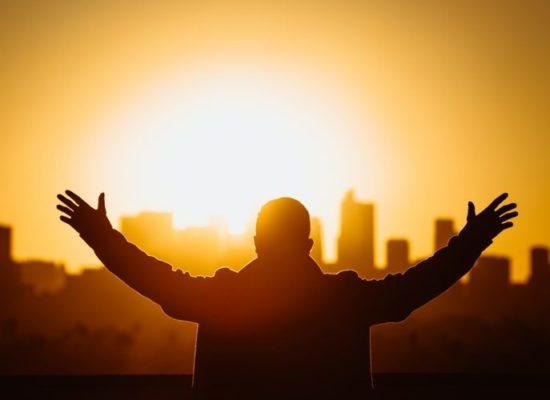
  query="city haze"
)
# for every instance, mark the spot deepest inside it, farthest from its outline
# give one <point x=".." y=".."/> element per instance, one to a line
<point x="399" y="100"/>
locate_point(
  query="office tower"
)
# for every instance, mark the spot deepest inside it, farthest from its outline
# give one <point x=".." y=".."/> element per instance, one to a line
<point x="356" y="240"/>
<point x="317" y="236"/>
<point x="9" y="272"/>
<point x="397" y="255"/>
<point x="42" y="276"/>
<point x="199" y="249"/>
<point x="491" y="274"/>
<point x="444" y="231"/>
<point x="151" y="231"/>
<point x="5" y="246"/>
<point x="540" y="266"/>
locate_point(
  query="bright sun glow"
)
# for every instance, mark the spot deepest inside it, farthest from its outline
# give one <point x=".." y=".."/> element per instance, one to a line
<point x="219" y="143"/>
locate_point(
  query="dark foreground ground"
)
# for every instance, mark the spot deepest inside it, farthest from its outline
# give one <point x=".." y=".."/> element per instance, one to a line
<point x="389" y="386"/>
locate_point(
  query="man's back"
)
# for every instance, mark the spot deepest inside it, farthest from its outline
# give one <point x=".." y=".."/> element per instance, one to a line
<point x="264" y="333"/>
<point x="284" y="329"/>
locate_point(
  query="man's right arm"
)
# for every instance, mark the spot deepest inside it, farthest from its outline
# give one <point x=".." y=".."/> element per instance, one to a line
<point x="180" y="295"/>
<point x="396" y="296"/>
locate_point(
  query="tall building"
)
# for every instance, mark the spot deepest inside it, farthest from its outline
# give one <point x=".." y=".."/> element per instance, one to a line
<point x="490" y="275"/>
<point x="9" y="273"/>
<point x="356" y="240"/>
<point x="317" y="236"/>
<point x="444" y="231"/>
<point x="198" y="250"/>
<point x="397" y="255"/>
<point x="151" y="231"/>
<point x="540" y="266"/>
<point x="5" y="246"/>
<point x="42" y="276"/>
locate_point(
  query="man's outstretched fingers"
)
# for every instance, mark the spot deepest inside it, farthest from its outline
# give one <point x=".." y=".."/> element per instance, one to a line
<point x="508" y="216"/>
<point x="471" y="211"/>
<point x="494" y="204"/>
<point x="506" y="208"/>
<point x="66" y="210"/>
<point x="101" y="203"/>
<point x="78" y="200"/>
<point x="67" y="220"/>
<point x="504" y="226"/>
<point x="67" y="202"/>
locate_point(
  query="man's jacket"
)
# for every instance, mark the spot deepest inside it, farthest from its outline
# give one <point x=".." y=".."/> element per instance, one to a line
<point x="292" y="332"/>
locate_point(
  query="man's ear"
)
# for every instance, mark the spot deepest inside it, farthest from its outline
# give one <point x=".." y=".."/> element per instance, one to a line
<point x="309" y="244"/>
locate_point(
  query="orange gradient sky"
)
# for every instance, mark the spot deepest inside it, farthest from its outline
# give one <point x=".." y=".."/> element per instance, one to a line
<point x="211" y="108"/>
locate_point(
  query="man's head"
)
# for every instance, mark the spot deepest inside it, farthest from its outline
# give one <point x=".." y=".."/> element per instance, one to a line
<point x="282" y="228"/>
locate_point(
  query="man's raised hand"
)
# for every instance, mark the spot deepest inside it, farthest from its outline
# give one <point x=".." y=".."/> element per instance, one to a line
<point x="80" y="215"/>
<point x="490" y="222"/>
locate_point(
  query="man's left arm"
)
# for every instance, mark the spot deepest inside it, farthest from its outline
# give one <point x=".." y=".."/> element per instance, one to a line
<point x="400" y="294"/>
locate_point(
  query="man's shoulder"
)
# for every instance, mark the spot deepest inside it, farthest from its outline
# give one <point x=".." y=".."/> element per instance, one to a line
<point x="346" y="278"/>
<point x="350" y="280"/>
<point x="225" y="273"/>
<point x="347" y="274"/>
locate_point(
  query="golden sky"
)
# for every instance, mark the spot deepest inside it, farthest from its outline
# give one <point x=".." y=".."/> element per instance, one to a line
<point x="209" y="108"/>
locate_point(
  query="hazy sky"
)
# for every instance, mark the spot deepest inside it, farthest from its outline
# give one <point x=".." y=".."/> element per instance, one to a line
<point x="212" y="107"/>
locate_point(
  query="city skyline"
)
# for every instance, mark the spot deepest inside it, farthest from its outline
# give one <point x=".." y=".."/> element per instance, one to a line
<point x="201" y="250"/>
<point x="114" y="340"/>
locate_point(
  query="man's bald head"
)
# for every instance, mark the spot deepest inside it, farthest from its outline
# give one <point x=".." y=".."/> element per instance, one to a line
<point x="283" y="226"/>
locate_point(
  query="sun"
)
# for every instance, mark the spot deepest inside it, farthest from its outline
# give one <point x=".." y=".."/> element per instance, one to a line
<point x="219" y="142"/>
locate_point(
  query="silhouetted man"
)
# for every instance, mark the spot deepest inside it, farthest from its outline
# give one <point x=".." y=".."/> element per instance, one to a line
<point x="280" y="327"/>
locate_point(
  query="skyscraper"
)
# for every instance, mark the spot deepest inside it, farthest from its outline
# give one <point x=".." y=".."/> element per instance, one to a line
<point x="490" y="275"/>
<point x="317" y="236"/>
<point x="540" y="266"/>
<point x="356" y="240"/>
<point x="5" y="246"/>
<point x="9" y="273"/>
<point x="397" y="255"/>
<point x="444" y="231"/>
<point x="151" y="231"/>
